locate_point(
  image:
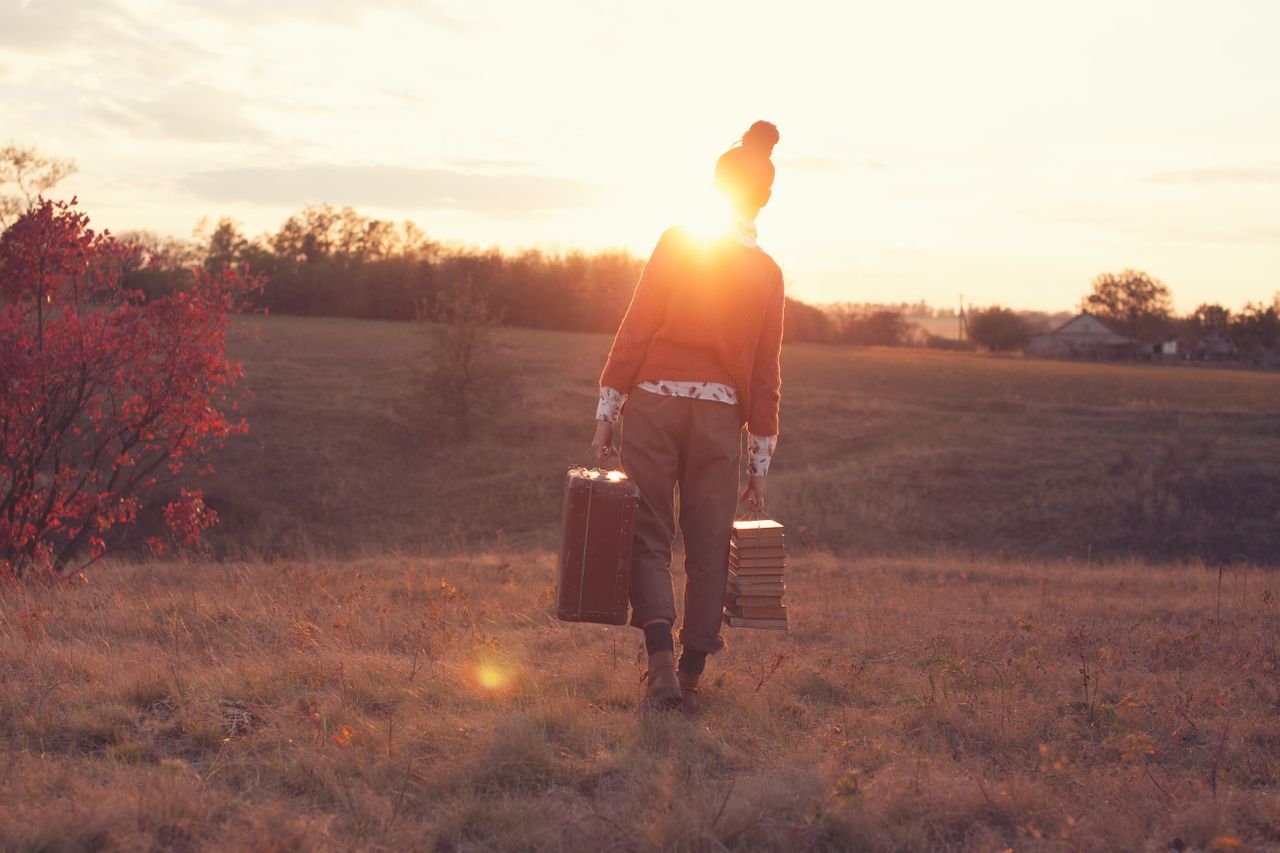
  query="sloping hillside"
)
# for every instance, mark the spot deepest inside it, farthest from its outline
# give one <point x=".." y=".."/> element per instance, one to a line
<point x="882" y="451"/>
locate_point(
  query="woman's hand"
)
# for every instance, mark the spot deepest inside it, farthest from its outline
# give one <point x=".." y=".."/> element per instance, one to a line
<point x="602" y="445"/>
<point x="753" y="494"/>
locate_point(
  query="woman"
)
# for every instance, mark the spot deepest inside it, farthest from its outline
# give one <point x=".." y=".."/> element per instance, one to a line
<point x="695" y="358"/>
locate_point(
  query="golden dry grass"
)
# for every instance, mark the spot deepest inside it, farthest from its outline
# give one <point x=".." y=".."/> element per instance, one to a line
<point x="414" y="703"/>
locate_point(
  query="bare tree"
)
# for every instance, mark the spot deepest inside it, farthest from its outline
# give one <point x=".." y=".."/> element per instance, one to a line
<point x="32" y="174"/>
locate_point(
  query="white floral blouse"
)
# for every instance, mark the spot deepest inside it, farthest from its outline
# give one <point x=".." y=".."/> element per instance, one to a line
<point x="759" y="447"/>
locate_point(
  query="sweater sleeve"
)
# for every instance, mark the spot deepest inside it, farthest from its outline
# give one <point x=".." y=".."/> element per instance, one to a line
<point x="766" y="373"/>
<point x="642" y="319"/>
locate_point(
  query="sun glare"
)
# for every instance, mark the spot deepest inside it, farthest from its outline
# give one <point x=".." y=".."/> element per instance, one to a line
<point x="491" y="677"/>
<point x="707" y="215"/>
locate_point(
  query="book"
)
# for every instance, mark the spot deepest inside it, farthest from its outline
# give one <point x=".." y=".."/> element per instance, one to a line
<point x="749" y="562"/>
<point x="752" y="578"/>
<point x="738" y="599"/>
<point x="752" y="598"/>
<point x="776" y="589"/>
<point x="757" y="548"/>
<point x="749" y="550"/>
<point x="768" y="540"/>
<point x="739" y="560"/>
<point x="778" y="562"/>
<point x="753" y="581"/>
<point x="757" y="564"/>
<point x="744" y="622"/>
<point x="750" y="528"/>
<point x="776" y="612"/>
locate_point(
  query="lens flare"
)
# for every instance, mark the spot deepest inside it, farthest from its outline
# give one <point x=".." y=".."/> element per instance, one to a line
<point x="490" y="677"/>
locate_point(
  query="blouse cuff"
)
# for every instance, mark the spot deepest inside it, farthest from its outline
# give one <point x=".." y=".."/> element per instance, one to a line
<point x="610" y="405"/>
<point x="759" y="451"/>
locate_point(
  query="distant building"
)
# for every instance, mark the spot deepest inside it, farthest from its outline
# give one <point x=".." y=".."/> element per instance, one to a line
<point x="1160" y="351"/>
<point x="1083" y="336"/>
<point x="1214" y="347"/>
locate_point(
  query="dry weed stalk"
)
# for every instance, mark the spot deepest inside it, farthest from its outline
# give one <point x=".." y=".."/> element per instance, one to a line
<point x="765" y="672"/>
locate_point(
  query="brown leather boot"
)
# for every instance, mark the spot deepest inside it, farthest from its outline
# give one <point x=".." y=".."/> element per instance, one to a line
<point x="662" y="692"/>
<point x="688" y="692"/>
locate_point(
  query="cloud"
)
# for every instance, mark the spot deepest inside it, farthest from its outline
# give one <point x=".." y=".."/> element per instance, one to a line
<point x="1065" y="217"/>
<point x="332" y="12"/>
<point x="1256" y="235"/>
<point x="393" y="186"/>
<point x="1239" y="176"/>
<point x="188" y="113"/>
<point x="6" y="69"/>
<point x="98" y="36"/>
<point x="35" y="26"/>
<point x="467" y="164"/>
<point x="1161" y="232"/>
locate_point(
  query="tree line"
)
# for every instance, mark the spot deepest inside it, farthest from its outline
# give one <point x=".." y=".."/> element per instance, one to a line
<point x="336" y="262"/>
<point x="329" y="261"/>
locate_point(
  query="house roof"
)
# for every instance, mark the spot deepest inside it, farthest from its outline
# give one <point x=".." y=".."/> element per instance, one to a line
<point x="1086" y="325"/>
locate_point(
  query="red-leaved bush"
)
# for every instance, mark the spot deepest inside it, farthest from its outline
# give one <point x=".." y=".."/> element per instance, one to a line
<point x="103" y="395"/>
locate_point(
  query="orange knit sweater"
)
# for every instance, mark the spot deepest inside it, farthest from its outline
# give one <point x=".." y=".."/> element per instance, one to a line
<point x="705" y="311"/>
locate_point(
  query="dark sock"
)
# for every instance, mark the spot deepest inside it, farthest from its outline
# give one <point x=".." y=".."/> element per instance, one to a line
<point x="693" y="661"/>
<point x="657" y="638"/>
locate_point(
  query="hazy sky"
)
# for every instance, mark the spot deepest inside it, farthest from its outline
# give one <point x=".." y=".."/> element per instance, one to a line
<point x="1006" y="150"/>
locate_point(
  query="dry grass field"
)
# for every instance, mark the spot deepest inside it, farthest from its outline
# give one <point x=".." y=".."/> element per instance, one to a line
<point x="1034" y="606"/>
<point x="882" y="451"/>
<point x="417" y="703"/>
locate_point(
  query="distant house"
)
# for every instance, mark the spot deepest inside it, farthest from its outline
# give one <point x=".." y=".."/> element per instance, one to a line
<point x="1083" y="336"/>
<point x="1214" y="347"/>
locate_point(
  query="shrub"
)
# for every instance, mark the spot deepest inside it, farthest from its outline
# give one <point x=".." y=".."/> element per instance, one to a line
<point x="460" y="320"/>
<point x="807" y="324"/>
<point x="105" y="395"/>
<point x="945" y="343"/>
<point x="999" y="329"/>
<point x="884" y="328"/>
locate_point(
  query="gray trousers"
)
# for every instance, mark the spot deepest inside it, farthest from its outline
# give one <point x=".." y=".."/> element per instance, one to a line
<point x="671" y="443"/>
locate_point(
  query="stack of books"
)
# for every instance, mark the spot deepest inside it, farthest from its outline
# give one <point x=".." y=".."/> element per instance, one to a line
<point x="757" y="560"/>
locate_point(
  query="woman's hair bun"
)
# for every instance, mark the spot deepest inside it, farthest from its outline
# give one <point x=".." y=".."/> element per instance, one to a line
<point x="745" y="171"/>
<point x="760" y="138"/>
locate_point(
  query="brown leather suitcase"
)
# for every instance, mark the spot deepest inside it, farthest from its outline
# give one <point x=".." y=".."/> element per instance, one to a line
<point x="593" y="581"/>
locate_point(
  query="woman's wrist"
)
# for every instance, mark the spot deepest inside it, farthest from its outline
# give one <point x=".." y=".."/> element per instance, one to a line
<point x="759" y="452"/>
<point x="610" y="405"/>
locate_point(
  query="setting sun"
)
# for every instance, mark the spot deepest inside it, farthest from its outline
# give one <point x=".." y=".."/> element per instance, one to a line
<point x="1003" y="149"/>
<point x="705" y="213"/>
